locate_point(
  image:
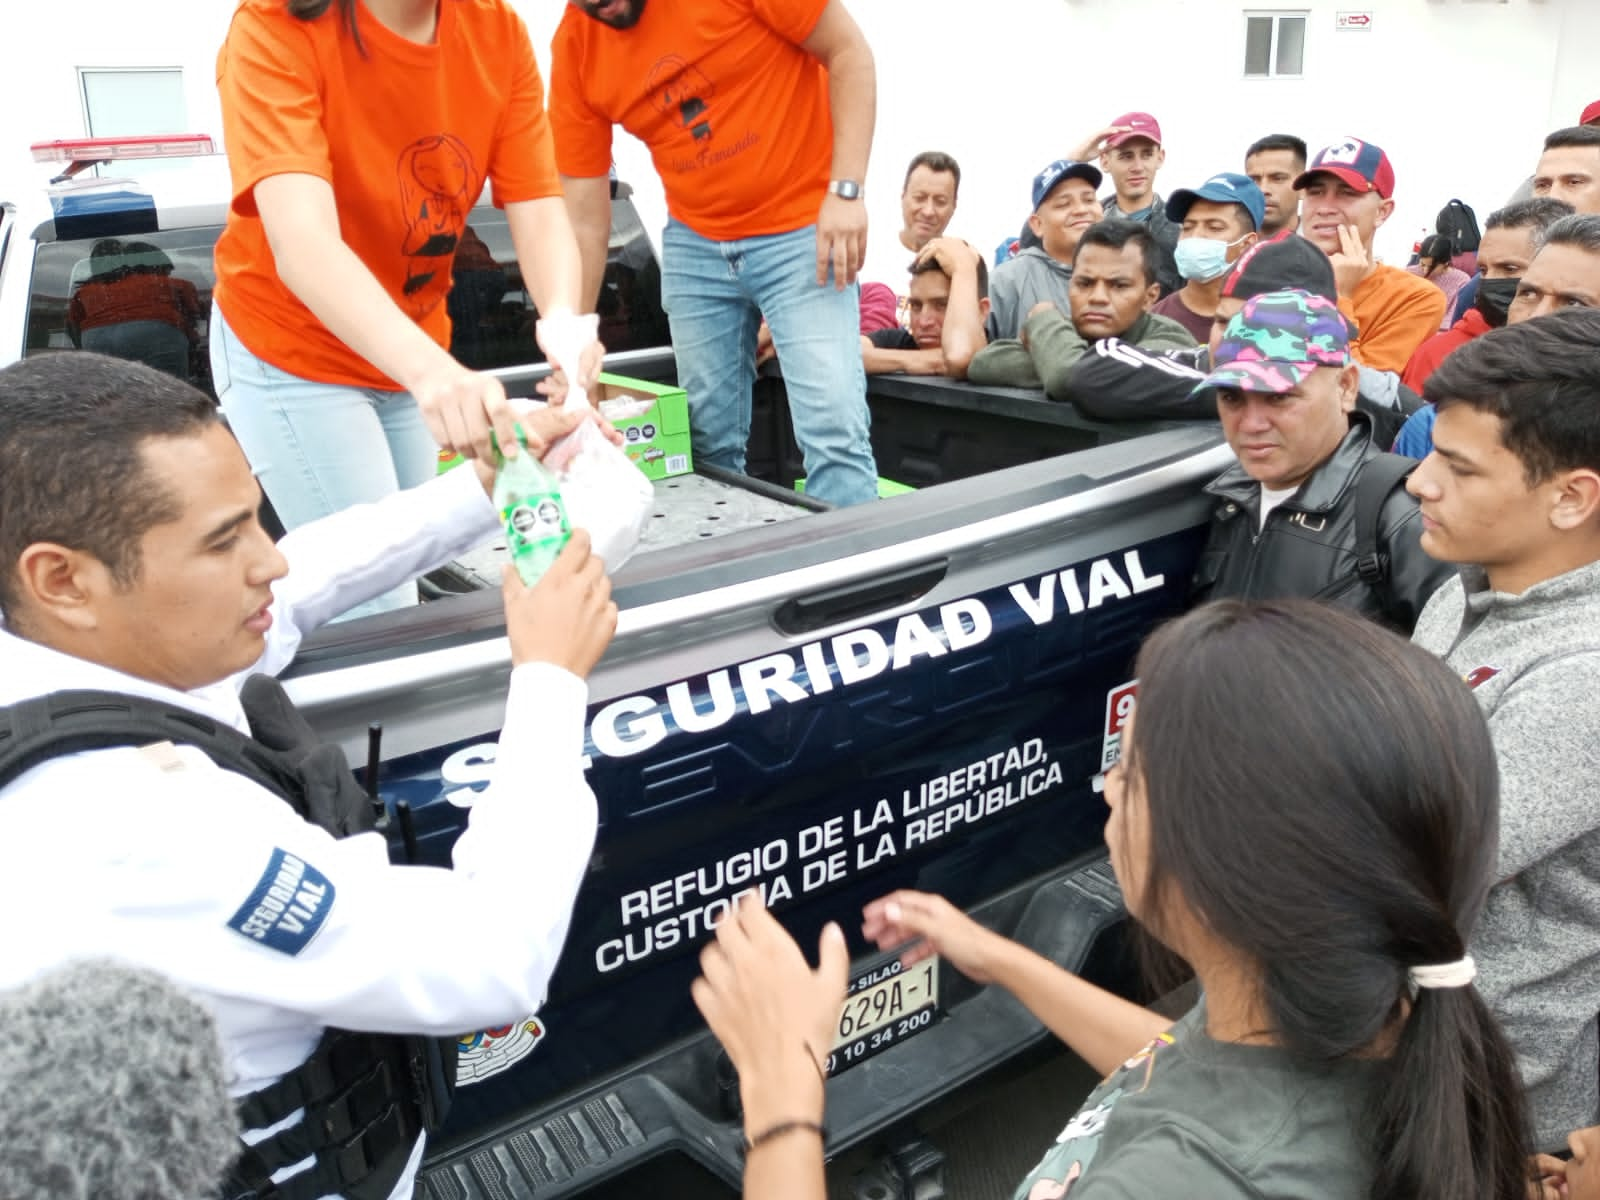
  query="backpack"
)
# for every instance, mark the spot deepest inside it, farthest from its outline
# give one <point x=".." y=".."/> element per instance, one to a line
<point x="366" y="1096"/>
<point x="1459" y="223"/>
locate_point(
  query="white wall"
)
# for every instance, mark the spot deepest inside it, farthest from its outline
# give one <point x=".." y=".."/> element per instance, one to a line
<point x="1459" y="92"/>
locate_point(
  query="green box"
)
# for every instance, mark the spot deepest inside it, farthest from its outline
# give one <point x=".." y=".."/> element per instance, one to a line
<point x="657" y="440"/>
<point x="886" y="487"/>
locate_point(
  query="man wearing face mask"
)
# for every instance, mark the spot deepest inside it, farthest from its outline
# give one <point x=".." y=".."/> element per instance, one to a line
<point x="1219" y="221"/>
<point x="1511" y="240"/>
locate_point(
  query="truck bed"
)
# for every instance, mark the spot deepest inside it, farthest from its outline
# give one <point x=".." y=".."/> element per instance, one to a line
<point x="688" y="509"/>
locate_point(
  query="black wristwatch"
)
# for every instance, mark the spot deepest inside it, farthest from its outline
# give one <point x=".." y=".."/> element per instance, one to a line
<point x="845" y="189"/>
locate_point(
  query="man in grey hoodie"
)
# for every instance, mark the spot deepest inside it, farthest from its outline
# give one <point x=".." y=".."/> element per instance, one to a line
<point x="1512" y="491"/>
<point x="1064" y="205"/>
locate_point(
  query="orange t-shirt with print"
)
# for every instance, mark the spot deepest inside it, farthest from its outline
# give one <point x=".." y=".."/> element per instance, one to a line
<point x="735" y="113"/>
<point x="405" y="133"/>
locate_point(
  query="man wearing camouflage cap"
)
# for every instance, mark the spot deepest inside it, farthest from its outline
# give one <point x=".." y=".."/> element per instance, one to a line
<point x="1313" y="509"/>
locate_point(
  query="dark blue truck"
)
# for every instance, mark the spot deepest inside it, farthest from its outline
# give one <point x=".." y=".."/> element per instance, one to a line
<point x="825" y="705"/>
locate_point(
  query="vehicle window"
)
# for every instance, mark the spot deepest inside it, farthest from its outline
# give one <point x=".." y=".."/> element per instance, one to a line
<point x="147" y="297"/>
<point x="492" y="315"/>
<point x="144" y="297"/>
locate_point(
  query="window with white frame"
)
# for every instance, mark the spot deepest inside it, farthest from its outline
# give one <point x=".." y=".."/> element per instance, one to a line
<point x="1274" y="44"/>
<point x="129" y="101"/>
<point x="124" y="103"/>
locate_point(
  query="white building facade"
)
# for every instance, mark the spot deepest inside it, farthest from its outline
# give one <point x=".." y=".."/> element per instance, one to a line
<point x="1459" y="92"/>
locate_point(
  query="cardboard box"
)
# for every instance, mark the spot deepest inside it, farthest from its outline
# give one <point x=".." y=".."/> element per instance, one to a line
<point x="657" y="440"/>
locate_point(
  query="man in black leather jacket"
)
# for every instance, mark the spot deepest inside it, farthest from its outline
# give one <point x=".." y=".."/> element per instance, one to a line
<point x="1287" y="520"/>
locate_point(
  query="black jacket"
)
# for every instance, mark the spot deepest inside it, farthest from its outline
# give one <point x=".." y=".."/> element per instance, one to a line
<point x="1118" y="381"/>
<point x="1307" y="548"/>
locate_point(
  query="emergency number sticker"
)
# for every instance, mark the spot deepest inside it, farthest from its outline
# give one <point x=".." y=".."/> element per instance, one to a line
<point x="1119" y="707"/>
<point x="287" y="907"/>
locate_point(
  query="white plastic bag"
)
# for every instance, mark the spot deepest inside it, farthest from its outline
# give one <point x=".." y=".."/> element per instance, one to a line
<point x="602" y="489"/>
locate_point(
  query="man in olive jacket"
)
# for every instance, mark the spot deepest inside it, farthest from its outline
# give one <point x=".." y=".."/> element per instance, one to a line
<point x="1289" y="520"/>
<point x="1112" y="288"/>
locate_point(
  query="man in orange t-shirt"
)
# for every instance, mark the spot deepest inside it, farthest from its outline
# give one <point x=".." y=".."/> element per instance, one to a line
<point x="360" y="133"/>
<point x="759" y="116"/>
<point x="1346" y="194"/>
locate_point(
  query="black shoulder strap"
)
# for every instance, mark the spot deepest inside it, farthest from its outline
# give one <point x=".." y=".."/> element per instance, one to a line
<point x="61" y="723"/>
<point x="1378" y="478"/>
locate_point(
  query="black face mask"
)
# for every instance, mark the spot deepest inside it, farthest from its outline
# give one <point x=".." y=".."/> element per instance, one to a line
<point x="1494" y="299"/>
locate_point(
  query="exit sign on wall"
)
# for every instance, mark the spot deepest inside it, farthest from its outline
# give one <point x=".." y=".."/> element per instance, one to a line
<point x="1360" y="19"/>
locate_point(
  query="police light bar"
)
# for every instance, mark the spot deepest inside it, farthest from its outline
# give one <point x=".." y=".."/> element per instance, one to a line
<point x="82" y="153"/>
<point x="177" y="145"/>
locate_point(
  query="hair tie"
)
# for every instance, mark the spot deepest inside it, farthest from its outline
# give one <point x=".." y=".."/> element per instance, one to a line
<point x="1445" y="975"/>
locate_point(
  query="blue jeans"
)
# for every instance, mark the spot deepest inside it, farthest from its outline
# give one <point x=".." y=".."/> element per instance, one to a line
<point x="154" y="343"/>
<point x="318" y="448"/>
<point x="715" y="294"/>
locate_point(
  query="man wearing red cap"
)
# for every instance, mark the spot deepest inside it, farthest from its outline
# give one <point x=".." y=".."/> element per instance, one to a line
<point x="1346" y="194"/>
<point x="1131" y="153"/>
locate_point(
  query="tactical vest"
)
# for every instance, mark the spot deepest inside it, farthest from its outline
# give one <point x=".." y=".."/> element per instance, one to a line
<point x="366" y="1096"/>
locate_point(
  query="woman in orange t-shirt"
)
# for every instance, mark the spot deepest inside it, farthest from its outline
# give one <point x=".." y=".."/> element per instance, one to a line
<point x="360" y="133"/>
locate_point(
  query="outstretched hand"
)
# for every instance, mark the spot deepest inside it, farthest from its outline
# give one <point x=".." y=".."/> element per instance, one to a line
<point x="935" y="926"/>
<point x="773" y="1014"/>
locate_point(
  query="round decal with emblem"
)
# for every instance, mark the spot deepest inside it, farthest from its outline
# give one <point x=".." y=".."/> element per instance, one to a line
<point x="491" y="1051"/>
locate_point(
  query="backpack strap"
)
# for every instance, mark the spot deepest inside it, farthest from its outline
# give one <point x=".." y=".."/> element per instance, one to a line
<point x="1378" y="478"/>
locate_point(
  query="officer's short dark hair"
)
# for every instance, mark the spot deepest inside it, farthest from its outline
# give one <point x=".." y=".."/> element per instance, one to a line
<point x="1114" y="234"/>
<point x="1541" y="378"/>
<point x="72" y="471"/>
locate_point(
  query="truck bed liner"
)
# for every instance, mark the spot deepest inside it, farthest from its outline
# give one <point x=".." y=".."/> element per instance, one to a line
<point x="688" y="508"/>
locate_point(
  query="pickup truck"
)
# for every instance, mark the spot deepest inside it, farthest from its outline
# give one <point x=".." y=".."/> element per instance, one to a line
<point x="824" y="705"/>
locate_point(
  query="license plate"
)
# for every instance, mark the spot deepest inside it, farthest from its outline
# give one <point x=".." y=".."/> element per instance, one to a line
<point x="883" y="1009"/>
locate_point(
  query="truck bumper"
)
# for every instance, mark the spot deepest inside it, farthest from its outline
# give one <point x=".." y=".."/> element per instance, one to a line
<point x="684" y="1100"/>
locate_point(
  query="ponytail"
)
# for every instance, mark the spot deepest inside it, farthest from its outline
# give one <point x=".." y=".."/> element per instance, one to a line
<point x="1450" y="1123"/>
<point x="1323" y="796"/>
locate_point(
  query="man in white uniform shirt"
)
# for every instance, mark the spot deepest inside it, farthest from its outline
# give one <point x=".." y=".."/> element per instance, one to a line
<point x="132" y="562"/>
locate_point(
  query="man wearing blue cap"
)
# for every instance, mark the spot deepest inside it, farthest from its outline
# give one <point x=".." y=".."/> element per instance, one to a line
<point x="1064" y="205"/>
<point x="1218" y="221"/>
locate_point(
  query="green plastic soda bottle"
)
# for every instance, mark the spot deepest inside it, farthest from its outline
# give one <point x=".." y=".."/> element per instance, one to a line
<point x="531" y="509"/>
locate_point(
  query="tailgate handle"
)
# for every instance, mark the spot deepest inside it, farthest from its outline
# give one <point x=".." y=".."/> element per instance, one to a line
<point x="852" y="601"/>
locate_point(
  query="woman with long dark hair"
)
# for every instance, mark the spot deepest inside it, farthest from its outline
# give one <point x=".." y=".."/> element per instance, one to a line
<point x="360" y="133"/>
<point x="1306" y="813"/>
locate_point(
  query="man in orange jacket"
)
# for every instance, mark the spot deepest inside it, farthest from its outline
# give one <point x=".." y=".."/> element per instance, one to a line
<point x="1346" y="194"/>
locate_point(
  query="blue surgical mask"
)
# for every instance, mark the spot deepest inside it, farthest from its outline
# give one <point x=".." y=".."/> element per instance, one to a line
<point x="1203" y="259"/>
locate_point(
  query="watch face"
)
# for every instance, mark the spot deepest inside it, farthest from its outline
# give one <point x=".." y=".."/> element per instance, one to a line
<point x="845" y="189"/>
